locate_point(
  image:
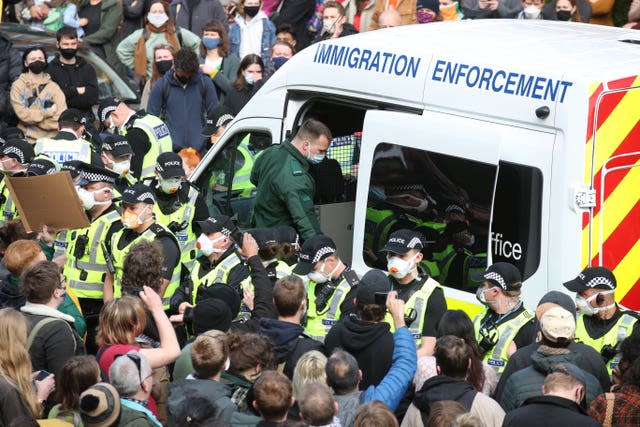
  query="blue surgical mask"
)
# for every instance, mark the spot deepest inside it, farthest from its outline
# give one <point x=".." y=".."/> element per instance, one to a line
<point x="314" y="159"/>
<point x="210" y="43"/>
<point x="249" y="78"/>
<point x="278" y="61"/>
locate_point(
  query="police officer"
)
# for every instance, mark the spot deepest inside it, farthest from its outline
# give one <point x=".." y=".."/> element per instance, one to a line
<point x="505" y="325"/>
<point x="41" y="165"/>
<point x="601" y="323"/>
<point x="332" y="285"/>
<point x="178" y="204"/>
<point x="116" y="154"/>
<point x="15" y="156"/>
<point x="424" y="297"/>
<point x="285" y="189"/>
<point x="219" y="263"/>
<point x="139" y="224"/>
<point x="68" y="143"/>
<point x="148" y="136"/>
<point x="216" y="123"/>
<point x="86" y="267"/>
<point x="457" y="263"/>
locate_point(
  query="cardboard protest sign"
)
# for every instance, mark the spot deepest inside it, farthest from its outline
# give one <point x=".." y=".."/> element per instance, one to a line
<point x="49" y="200"/>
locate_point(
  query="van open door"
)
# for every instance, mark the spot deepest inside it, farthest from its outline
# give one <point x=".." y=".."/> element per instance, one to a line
<point x="613" y="154"/>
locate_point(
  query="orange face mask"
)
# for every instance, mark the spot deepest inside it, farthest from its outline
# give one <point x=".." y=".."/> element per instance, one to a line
<point x="449" y="12"/>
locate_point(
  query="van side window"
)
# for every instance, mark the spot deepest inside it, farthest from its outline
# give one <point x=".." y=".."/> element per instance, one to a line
<point x="446" y="198"/>
<point x="517" y="215"/>
<point x="225" y="186"/>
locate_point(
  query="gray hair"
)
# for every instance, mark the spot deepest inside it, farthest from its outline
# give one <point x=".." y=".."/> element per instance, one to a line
<point x="124" y="374"/>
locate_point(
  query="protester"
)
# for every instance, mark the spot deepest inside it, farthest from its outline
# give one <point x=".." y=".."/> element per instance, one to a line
<point x="100" y="406"/>
<point x="19" y="256"/>
<point x="250" y="72"/>
<point x="217" y="61"/>
<point x="391" y="18"/>
<point x="406" y="9"/>
<point x="162" y="63"/>
<point x="317" y="407"/>
<point x="77" y="375"/>
<point x="375" y="414"/>
<point x="252" y="31"/>
<point x="194" y="16"/>
<point x="273" y="398"/>
<point x="100" y="20"/>
<point x="10" y="69"/>
<point x="334" y="22"/>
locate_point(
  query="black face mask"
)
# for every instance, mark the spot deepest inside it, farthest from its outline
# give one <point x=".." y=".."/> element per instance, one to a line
<point x="37" y="67"/>
<point x="164" y="66"/>
<point x="251" y="11"/>
<point x="563" y="15"/>
<point x="182" y="80"/>
<point x="68" y="53"/>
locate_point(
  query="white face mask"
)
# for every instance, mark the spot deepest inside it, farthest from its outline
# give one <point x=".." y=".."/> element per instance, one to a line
<point x="157" y="19"/>
<point x="531" y="12"/>
<point x="327" y="25"/>
<point x="584" y="304"/>
<point x="319" y="276"/>
<point x="207" y="246"/>
<point x="399" y="268"/>
<point x="423" y="204"/>
<point x="122" y="168"/>
<point x="88" y="198"/>
<point x="169" y="186"/>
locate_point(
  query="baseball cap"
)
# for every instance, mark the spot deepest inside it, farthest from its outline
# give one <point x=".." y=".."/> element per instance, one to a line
<point x="18" y="149"/>
<point x="217" y="223"/>
<point x="107" y="106"/>
<point x="211" y="313"/>
<point x="592" y="278"/>
<point x="117" y="145"/>
<point x="138" y="193"/>
<point x="41" y="166"/>
<point x="221" y="292"/>
<point x="402" y="241"/>
<point x="373" y="282"/>
<point x="219" y="116"/>
<point x="91" y="173"/>
<point x="313" y="250"/>
<point x="555" y="299"/>
<point x="7" y="133"/>
<point x="264" y="237"/>
<point x="169" y="165"/>
<point x="287" y="234"/>
<point x="72" y="166"/>
<point x="500" y="274"/>
<point x="558" y="324"/>
<point x="72" y="115"/>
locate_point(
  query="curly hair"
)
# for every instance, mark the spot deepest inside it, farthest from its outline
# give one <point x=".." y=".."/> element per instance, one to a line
<point x="143" y="266"/>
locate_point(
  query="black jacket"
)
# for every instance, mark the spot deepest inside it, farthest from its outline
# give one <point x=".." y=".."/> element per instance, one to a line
<point x="442" y="387"/>
<point x="549" y="411"/>
<point x="296" y="13"/>
<point x="72" y="76"/>
<point x="262" y="297"/>
<point x="10" y="69"/>
<point x="10" y="295"/>
<point x="589" y="360"/>
<point x="370" y="343"/>
<point x="289" y="342"/>
<point x="347" y="30"/>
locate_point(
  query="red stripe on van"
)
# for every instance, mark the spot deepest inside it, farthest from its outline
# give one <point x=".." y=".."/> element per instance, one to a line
<point x="608" y="103"/>
<point x="592" y="109"/>
<point x="621" y="239"/>
<point x="632" y="299"/>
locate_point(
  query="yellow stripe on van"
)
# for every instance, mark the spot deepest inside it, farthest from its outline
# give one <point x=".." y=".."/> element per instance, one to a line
<point x="627" y="271"/>
<point x="470" y="308"/>
<point x="592" y="88"/>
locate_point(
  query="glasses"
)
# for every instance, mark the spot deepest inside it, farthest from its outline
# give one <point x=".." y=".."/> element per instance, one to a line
<point x="137" y="361"/>
<point x="63" y="280"/>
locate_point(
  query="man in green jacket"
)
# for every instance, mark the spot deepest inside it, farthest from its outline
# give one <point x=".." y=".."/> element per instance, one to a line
<point x="285" y="189"/>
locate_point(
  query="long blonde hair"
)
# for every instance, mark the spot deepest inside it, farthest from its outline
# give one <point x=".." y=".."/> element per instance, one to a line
<point x="15" y="364"/>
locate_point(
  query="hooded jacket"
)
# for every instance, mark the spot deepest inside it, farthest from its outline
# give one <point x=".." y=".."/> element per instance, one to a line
<point x="548" y="411"/>
<point x="267" y="36"/>
<point x="10" y="295"/>
<point x="10" y="69"/>
<point x="370" y="343"/>
<point x="528" y="382"/>
<point x="184" y="105"/>
<point x="215" y="392"/>
<point x="289" y="342"/>
<point x="442" y="387"/>
<point x="72" y="76"/>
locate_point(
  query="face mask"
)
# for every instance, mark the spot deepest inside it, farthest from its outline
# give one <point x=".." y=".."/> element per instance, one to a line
<point x="480" y="295"/>
<point x="424" y="16"/>
<point x="531" y="12"/>
<point x="182" y="80"/>
<point x="327" y="25"/>
<point x="422" y="205"/>
<point x="211" y="42"/>
<point x="398" y="267"/>
<point x="4" y="169"/>
<point x="88" y="198"/>
<point x="563" y="15"/>
<point x="584" y="304"/>
<point x="248" y="78"/>
<point x="157" y="19"/>
<point x="449" y="12"/>
<point x="207" y="246"/>
<point x="68" y="53"/>
<point x="278" y="61"/>
<point x="164" y="66"/>
<point x="37" y="67"/>
<point x="122" y="168"/>
<point x="131" y="220"/>
<point x="251" y="11"/>
<point x="169" y="186"/>
<point x="314" y="159"/>
<point x="319" y="276"/>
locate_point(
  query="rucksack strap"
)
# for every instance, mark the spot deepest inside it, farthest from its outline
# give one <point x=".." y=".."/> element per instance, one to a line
<point x="41" y="324"/>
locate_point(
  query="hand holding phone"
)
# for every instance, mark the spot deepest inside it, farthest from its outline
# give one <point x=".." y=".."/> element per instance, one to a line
<point x="42" y="375"/>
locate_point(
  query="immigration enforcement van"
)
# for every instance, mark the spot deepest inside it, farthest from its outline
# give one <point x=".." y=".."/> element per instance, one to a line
<point x="520" y="139"/>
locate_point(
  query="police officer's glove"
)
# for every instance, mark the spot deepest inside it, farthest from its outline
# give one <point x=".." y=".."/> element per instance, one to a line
<point x="175" y="226"/>
<point x="608" y="352"/>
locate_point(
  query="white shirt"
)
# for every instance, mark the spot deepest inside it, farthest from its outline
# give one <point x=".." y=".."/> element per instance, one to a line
<point x="251" y="34"/>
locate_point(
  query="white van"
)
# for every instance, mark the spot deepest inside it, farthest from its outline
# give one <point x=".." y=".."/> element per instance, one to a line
<point x="523" y="123"/>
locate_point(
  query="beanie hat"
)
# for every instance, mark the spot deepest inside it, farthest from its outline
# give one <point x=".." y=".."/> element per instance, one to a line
<point x="100" y="405"/>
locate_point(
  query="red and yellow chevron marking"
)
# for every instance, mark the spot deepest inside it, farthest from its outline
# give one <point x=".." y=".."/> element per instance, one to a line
<point x="617" y="132"/>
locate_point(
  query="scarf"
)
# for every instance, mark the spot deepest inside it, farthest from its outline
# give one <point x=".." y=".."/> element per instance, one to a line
<point x="140" y="62"/>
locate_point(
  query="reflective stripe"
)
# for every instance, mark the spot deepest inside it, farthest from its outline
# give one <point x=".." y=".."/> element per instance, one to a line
<point x="85" y="286"/>
<point x="416" y="327"/>
<point x="625" y="327"/>
<point x="91" y="266"/>
<point x="219" y="273"/>
<point x="60" y="244"/>
<point x="319" y="323"/>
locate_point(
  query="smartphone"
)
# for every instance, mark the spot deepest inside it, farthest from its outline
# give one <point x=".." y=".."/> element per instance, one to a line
<point x="42" y="375"/>
<point x="380" y="298"/>
<point x="236" y="236"/>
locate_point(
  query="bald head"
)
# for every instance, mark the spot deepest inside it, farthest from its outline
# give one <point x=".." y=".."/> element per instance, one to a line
<point x="389" y="18"/>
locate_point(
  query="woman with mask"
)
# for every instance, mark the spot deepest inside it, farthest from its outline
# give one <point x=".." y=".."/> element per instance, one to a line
<point x="136" y="51"/>
<point x="423" y="296"/>
<point x="217" y="60"/>
<point x="281" y="52"/>
<point x="36" y="99"/>
<point x="566" y="10"/>
<point x="249" y="74"/>
<point x="505" y="325"/>
<point x="162" y="62"/>
<point x="252" y="32"/>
